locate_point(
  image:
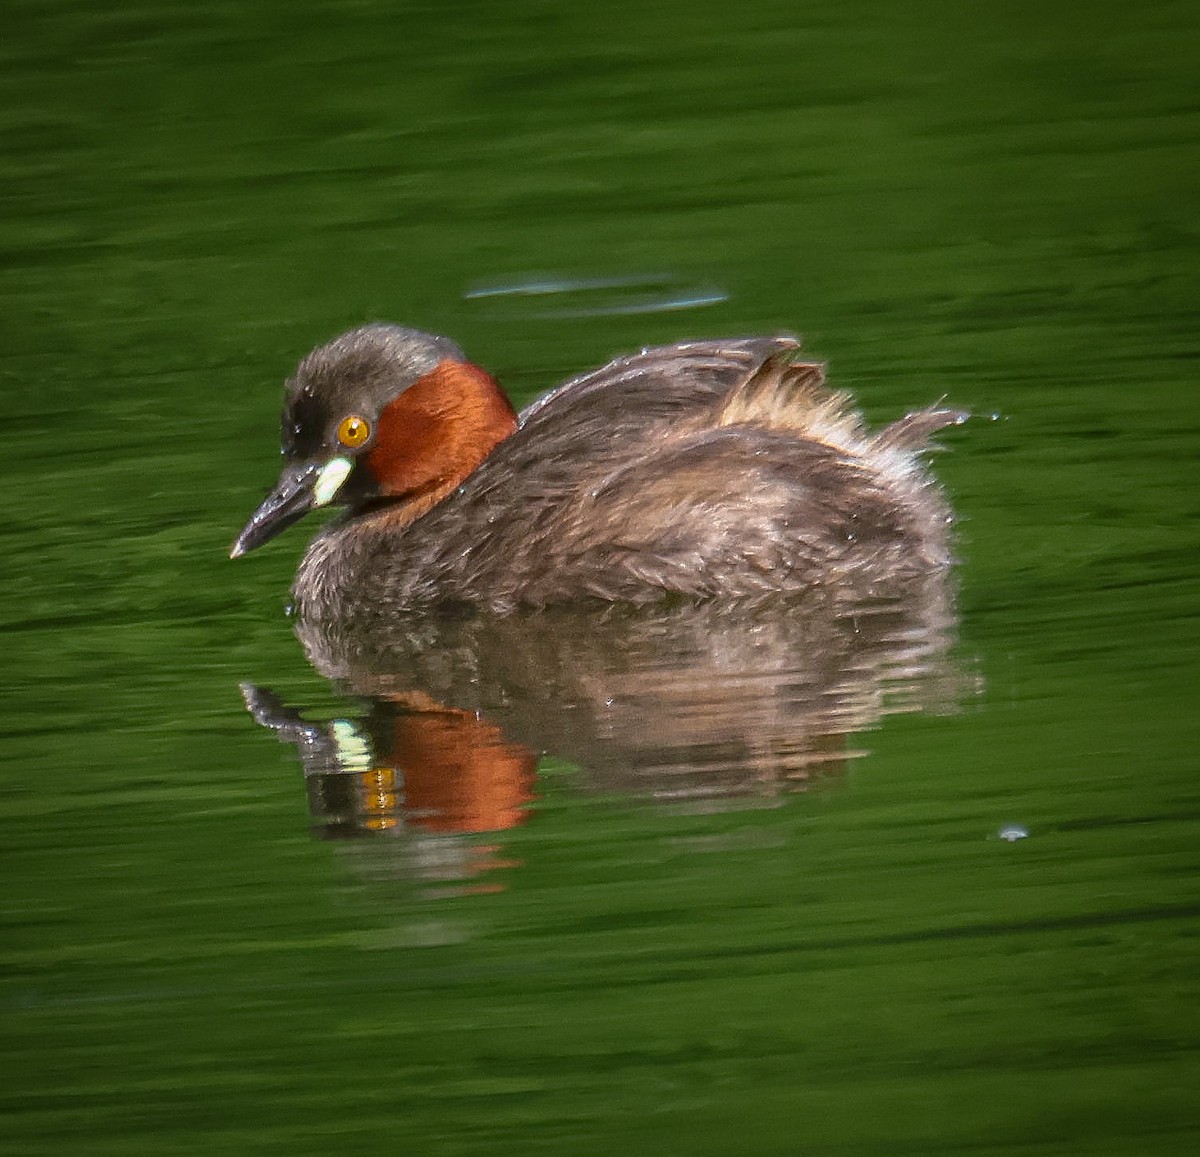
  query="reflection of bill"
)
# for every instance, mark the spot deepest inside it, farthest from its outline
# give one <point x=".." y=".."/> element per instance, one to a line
<point x="407" y="765"/>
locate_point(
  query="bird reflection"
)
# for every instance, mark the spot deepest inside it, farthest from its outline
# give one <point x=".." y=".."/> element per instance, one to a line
<point x="694" y="706"/>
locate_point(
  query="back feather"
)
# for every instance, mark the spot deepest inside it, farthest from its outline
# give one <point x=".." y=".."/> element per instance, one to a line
<point x="913" y="431"/>
<point x="785" y="395"/>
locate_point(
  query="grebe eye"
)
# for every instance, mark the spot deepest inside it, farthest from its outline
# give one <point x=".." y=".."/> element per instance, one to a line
<point x="353" y="431"/>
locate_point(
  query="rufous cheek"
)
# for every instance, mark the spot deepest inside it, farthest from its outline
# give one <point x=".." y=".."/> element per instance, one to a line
<point x="439" y="429"/>
<point x="409" y="444"/>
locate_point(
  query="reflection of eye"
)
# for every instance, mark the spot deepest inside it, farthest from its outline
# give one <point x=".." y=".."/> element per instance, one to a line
<point x="353" y="431"/>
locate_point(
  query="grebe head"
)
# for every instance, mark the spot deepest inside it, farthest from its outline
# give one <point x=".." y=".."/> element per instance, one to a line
<point x="381" y="414"/>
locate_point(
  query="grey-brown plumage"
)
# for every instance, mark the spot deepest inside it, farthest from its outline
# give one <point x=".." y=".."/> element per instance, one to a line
<point x="710" y="470"/>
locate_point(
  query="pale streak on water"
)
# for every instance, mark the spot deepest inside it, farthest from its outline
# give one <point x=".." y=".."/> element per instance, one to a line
<point x="631" y="295"/>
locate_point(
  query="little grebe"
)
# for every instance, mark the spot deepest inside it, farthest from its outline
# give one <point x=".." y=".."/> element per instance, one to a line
<point x="709" y="469"/>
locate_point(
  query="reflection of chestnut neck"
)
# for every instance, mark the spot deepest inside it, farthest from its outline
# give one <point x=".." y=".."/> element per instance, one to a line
<point x="459" y="773"/>
<point x="435" y="434"/>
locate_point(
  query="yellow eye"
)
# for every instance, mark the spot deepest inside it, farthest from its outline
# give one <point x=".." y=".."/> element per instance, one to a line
<point x="353" y="431"/>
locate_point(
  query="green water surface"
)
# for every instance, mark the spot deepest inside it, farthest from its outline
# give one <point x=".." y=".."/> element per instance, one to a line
<point x="996" y="203"/>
